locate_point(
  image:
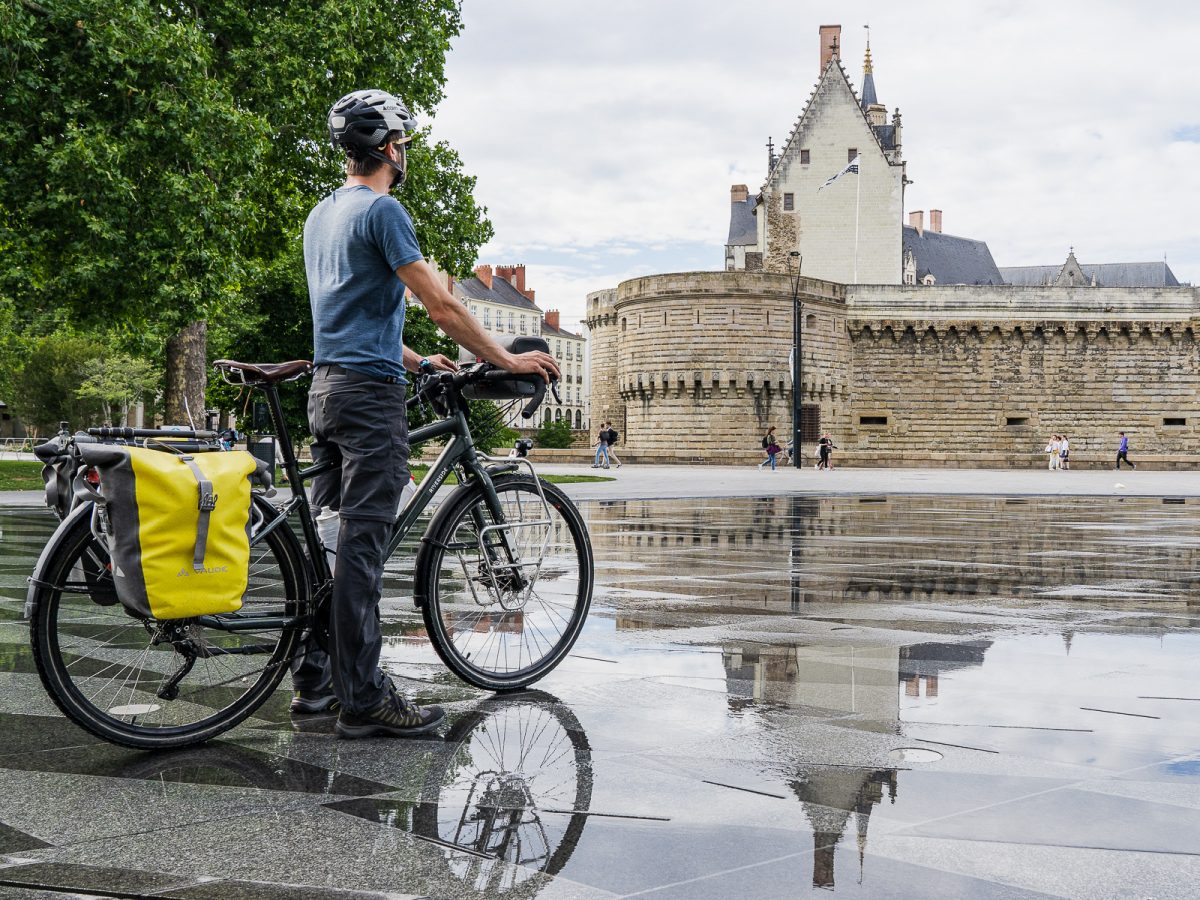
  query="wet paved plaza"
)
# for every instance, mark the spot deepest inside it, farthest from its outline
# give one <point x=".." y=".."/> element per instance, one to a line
<point x="923" y="696"/>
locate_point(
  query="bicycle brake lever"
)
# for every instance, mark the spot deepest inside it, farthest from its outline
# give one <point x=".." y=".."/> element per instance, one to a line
<point x="554" y="391"/>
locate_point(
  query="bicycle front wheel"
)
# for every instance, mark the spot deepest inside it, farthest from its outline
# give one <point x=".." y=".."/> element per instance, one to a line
<point x="505" y="594"/>
<point x="159" y="684"/>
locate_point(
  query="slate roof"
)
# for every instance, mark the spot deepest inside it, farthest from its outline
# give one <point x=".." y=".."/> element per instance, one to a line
<point x="886" y="135"/>
<point x="1148" y="274"/>
<point x="500" y="292"/>
<point x="868" y="92"/>
<point x="743" y="227"/>
<point x="951" y="259"/>
<point x="548" y="329"/>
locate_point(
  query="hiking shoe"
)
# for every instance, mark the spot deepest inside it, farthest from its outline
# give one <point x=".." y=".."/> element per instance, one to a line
<point x="314" y="701"/>
<point x="396" y="716"/>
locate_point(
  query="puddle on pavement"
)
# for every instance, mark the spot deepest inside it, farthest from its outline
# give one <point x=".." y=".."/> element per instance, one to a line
<point x="760" y="680"/>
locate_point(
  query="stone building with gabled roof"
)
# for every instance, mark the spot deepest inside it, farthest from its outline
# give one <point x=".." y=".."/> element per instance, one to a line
<point x="846" y="230"/>
<point x="915" y="347"/>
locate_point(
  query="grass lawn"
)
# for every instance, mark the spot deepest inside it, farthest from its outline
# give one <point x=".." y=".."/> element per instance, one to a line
<point x="20" y="475"/>
<point x="26" y="475"/>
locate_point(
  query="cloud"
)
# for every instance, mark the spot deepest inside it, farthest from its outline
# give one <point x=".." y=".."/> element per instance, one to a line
<point x="616" y="129"/>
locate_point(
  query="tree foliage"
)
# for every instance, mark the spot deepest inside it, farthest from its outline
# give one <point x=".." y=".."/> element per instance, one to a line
<point x="159" y="157"/>
<point x="46" y="386"/>
<point x="554" y="434"/>
<point x="117" y="382"/>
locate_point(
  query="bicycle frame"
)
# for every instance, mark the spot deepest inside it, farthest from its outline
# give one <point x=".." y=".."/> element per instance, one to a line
<point x="459" y="452"/>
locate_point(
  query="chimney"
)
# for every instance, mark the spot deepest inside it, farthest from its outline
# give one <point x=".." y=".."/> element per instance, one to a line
<point x="552" y="318"/>
<point x="514" y="275"/>
<point x="739" y="193"/>
<point x="917" y="220"/>
<point x="935" y="221"/>
<point x="450" y="283"/>
<point x="831" y="41"/>
<point x="484" y="274"/>
<point x="529" y="295"/>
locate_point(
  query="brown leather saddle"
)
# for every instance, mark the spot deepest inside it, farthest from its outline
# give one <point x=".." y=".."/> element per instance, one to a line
<point x="262" y="373"/>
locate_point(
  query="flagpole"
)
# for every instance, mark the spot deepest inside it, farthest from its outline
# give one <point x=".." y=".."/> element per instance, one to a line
<point x="857" y="194"/>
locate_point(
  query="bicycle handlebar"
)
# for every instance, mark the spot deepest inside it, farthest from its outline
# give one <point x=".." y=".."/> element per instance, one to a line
<point x="430" y="385"/>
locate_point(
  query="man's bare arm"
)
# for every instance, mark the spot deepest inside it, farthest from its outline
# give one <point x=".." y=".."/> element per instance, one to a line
<point x="454" y="319"/>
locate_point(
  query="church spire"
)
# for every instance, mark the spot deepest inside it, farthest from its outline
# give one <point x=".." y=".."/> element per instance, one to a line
<point x="876" y="111"/>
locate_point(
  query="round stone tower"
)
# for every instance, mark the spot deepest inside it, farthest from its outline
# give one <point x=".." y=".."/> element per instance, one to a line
<point x="607" y="404"/>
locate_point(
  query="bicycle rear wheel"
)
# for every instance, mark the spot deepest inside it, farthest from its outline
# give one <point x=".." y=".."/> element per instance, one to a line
<point x="501" y="623"/>
<point x="159" y="684"/>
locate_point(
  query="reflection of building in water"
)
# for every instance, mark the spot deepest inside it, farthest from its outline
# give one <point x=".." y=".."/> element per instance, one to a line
<point x="829" y="797"/>
<point x="921" y="664"/>
<point x="780" y="554"/>
<point x="510" y="622"/>
<point x="863" y="681"/>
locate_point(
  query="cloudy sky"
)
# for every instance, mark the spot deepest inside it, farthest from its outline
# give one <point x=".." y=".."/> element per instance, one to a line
<point x="605" y="136"/>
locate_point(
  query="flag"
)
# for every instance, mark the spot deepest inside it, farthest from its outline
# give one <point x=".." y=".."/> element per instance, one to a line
<point x="851" y="167"/>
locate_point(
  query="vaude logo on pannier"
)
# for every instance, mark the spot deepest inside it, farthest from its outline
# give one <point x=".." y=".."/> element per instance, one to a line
<point x="212" y="570"/>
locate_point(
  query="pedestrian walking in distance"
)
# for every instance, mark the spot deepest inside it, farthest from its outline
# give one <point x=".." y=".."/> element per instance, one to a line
<point x="1064" y="453"/>
<point x="825" y="448"/>
<point x="610" y="441"/>
<point x="771" y="447"/>
<point x="1123" y="451"/>
<point x="1052" y="449"/>
<point x="601" y="449"/>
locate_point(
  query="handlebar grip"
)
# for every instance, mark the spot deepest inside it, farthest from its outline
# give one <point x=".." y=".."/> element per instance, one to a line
<point x="535" y="401"/>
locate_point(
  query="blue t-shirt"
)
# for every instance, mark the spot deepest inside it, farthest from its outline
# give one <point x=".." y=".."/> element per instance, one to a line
<point x="354" y="240"/>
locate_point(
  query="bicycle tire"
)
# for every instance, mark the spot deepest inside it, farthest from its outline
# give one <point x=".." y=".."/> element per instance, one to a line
<point x="447" y="589"/>
<point x="76" y="624"/>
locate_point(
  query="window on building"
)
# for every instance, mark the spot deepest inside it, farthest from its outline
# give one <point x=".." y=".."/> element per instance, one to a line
<point x="487" y="317"/>
<point x="557" y="349"/>
<point x="810" y="321"/>
<point x="512" y="323"/>
<point x="804" y="158"/>
<point x="579" y="351"/>
<point x="851" y="153"/>
<point x="789" y="202"/>
<point x="546" y="418"/>
<point x="578" y="395"/>
<point x="535" y="326"/>
<point x="872" y="420"/>
<point x="1174" y="422"/>
<point x="524" y="324"/>
<point x="578" y="419"/>
<point x="558" y="415"/>
<point x="474" y="309"/>
<point x="1016" y="420"/>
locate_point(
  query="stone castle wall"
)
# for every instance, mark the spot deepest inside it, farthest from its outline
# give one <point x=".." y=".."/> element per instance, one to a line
<point x="697" y="364"/>
<point x="606" y="403"/>
<point x="703" y="362"/>
<point x="983" y="375"/>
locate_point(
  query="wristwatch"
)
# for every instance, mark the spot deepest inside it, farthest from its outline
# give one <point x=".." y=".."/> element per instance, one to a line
<point x="424" y="364"/>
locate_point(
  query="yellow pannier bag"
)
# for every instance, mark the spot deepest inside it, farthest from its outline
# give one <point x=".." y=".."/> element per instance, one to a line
<point x="177" y="526"/>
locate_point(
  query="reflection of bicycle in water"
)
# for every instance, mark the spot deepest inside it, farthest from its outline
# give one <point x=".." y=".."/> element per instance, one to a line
<point x="516" y="789"/>
<point x="508" y="796"/>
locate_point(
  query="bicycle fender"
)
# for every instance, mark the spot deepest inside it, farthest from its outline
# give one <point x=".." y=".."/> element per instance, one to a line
<point x="82" y="511"/>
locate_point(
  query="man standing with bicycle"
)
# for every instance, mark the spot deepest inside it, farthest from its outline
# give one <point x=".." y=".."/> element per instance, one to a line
<point x="360" y="252"/>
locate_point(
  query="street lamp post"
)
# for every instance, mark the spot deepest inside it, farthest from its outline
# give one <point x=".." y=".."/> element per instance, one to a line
<point x="795" y="261"/>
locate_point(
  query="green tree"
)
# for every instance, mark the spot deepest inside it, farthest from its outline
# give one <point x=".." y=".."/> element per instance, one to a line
<point x="157" y="159"/>
<point x="554" y="434"/>
<point x="116" y="382"/>
<point x="45" y="390"/>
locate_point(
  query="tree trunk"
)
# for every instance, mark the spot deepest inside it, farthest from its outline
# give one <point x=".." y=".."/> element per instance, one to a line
<point x="187" y="376"/>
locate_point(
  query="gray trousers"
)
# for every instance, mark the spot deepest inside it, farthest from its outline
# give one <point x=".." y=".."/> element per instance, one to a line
<point x="360" y="424"/>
